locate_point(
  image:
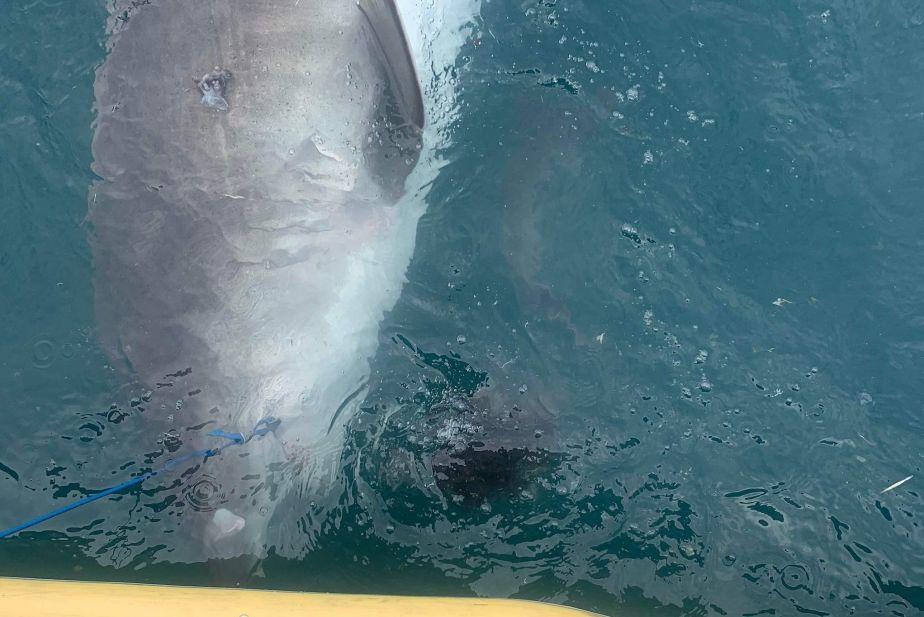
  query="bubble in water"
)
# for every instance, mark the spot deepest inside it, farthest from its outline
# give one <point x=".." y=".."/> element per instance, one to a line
<point x="204" y="495"/>
<point x="631" y="232"/>
<point x="172" y="440"/>
<point x="795" y="577"/>
<point x="43" y="354"/>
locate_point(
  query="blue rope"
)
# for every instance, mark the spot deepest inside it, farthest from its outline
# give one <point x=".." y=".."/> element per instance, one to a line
<point x="262" y="427"/>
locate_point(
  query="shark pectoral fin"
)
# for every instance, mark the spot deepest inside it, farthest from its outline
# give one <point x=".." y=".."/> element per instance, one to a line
<point x="225" y="523"/>
<point x="383" y="17"/>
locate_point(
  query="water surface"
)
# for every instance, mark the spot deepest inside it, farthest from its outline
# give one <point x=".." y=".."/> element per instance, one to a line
<point x="680" y="242"/>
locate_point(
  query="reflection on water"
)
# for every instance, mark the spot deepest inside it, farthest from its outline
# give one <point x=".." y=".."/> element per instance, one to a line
<point x="659" y="346"/>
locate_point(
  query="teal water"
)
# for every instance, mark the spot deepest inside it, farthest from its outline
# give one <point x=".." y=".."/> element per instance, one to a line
<point x="679" y="241"/>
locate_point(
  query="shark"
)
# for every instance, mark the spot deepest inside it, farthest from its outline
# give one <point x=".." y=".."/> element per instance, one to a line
<point x="252" y="221"/>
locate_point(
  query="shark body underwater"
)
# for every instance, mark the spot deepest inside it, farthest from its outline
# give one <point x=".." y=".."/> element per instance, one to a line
<point x="251" y="227"/>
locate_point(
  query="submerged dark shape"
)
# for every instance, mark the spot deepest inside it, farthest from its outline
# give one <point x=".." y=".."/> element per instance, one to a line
<point x="485" y="448"/>
<point x="475" y="475"/>
<point x="213" y="86"/>
<point x="471" y="439"/>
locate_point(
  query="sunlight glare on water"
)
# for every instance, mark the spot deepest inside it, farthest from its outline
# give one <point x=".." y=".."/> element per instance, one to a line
<point x="659" y="347"/>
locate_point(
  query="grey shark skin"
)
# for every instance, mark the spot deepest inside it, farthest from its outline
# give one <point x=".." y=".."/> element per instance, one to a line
<point x="250" y="228"/>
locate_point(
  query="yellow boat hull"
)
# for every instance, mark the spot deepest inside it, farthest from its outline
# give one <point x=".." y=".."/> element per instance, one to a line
<point x="44" y="598"/>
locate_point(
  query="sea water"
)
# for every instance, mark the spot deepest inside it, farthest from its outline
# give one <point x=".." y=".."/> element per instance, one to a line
<point x="685" y="238"/>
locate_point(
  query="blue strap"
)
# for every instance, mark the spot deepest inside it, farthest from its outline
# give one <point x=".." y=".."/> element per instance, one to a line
<point x="236" y="438"/>
<point x="262" y="427"/>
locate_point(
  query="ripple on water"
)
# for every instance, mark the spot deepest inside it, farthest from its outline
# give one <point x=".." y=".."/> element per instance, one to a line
<point x="204" y="495"/>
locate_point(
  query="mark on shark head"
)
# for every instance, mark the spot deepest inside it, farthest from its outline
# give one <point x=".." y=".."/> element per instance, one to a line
<point x="214" y="86"/>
